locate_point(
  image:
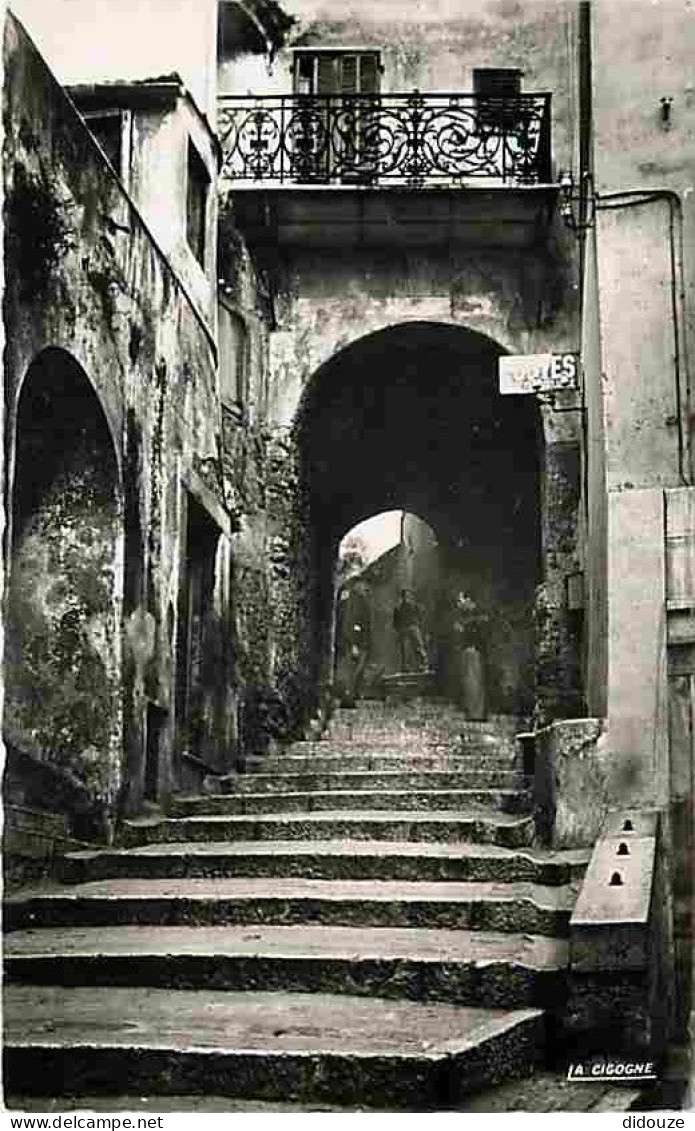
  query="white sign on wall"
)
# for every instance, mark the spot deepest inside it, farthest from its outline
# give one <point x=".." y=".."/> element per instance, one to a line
<point x="538" y="372"/>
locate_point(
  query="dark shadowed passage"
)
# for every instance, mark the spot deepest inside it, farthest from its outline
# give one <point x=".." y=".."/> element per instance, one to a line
<point x="411" y="417"/>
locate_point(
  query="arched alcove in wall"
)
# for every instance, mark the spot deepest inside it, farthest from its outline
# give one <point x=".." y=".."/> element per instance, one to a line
<point x="412" y="418"/>
<point x="63" y="654"/>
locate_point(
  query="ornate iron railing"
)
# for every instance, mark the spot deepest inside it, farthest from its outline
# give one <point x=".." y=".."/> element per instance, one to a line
<point x="411" y="139"/>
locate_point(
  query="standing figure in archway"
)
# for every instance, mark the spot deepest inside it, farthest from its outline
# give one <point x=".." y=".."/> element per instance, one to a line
<point x="408" y="628"/>
<point x="354" y="641"/>
<point x="469" y="625"/>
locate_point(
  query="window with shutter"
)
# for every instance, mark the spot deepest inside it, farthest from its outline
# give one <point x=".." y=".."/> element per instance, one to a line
<point x="370" y="72"/>
<point x="107" y="127"/>
<point x="497" y="90"/>
<point x="349" y="74"/>
<point x="233" y="358"/>
<point x="197" y="186"/>
<point x="326" y="74"/>
<point x="337" y="72"/>
<point x="334" y="140"/>
<point x="497" y="82"/>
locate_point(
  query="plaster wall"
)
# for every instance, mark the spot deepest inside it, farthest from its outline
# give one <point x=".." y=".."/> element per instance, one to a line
<point x="637" y="706"/>
<point x="526" y="302"/>
<point x="644" y="408"/>
<point x="639" y="399"/>
<point x="102" y="41"/>
<point x="643" y="52"/>
<point x="157" y="182"/>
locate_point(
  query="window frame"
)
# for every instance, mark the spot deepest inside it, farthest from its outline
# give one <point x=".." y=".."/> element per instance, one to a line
<point x="122" y="117"/>
<point x="301" y="54"/>
<point x="239" y="402"/>
<point x="198" y="185"/>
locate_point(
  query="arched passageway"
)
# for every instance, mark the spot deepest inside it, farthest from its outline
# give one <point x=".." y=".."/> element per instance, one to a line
<point x="62" y="662"/>
<point x="379" y="559"/>
<point x="411" y="417"/>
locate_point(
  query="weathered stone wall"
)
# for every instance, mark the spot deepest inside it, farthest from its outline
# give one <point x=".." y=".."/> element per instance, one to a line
<point x="254" y="462"/>
<point x="559" y="686"/>
<point x="571" y="782"/>
<point x="62" y="667"/>
<point x="84" y="276"/>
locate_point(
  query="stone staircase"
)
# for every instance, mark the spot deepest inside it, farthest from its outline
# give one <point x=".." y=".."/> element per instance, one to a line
<point x="360" y="921"/>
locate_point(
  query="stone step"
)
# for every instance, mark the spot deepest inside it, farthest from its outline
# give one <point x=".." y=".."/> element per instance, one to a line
<point x="546" y="1091"/>
<point x="325" y="760"/>
<point x="506" y="800"/>
<point x="424" y="708"/>
<point x="418" y="735"/>
<point x="509" y="907"/>
<point x="426" y="731"/>
<point x="461" y="967"/>
<point x="329" y="860"/>
<point x="405" y="1055"/>
<point x="393" y="718"/>
<point x="542" y="1091"/>
<point x="405" y="744"/>
<point x="259" y="782"/>
<point x="489" y="828"/>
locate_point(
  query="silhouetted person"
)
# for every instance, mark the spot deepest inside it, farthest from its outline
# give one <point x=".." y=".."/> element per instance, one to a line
<point x="354" y="636"/>
<point x="469" y="627"/>
<point x="406" y="622"/>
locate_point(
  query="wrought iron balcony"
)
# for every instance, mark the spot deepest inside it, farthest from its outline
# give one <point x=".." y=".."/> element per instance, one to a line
<point x="408" y="139"/>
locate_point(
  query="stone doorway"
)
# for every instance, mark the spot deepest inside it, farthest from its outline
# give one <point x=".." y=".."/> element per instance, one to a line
<point x="200" y="646"/>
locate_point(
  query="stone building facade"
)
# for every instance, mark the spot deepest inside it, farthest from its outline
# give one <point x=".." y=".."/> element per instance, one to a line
<point x="118" y="533"/>
<point x="260" y="290"/>
<point x="392" y="302"/>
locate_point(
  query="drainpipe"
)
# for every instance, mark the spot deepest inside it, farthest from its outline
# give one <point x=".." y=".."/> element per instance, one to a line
<point x="585" y="123"/>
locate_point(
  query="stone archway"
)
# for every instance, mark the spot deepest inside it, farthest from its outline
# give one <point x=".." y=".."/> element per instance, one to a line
<point x="412" y="417"/>
<point x="63" y="649"/>
<point x="378" y="558"/>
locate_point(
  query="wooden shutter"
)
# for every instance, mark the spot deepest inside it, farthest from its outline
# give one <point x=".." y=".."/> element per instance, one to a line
<point x="326" y="76"/>
<point x="497" y="82"/>
<point x="349" y="74"/>
<point x="370" y="72"/>
<point x="337" y="72"/>
<point x="304" y="74"/>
